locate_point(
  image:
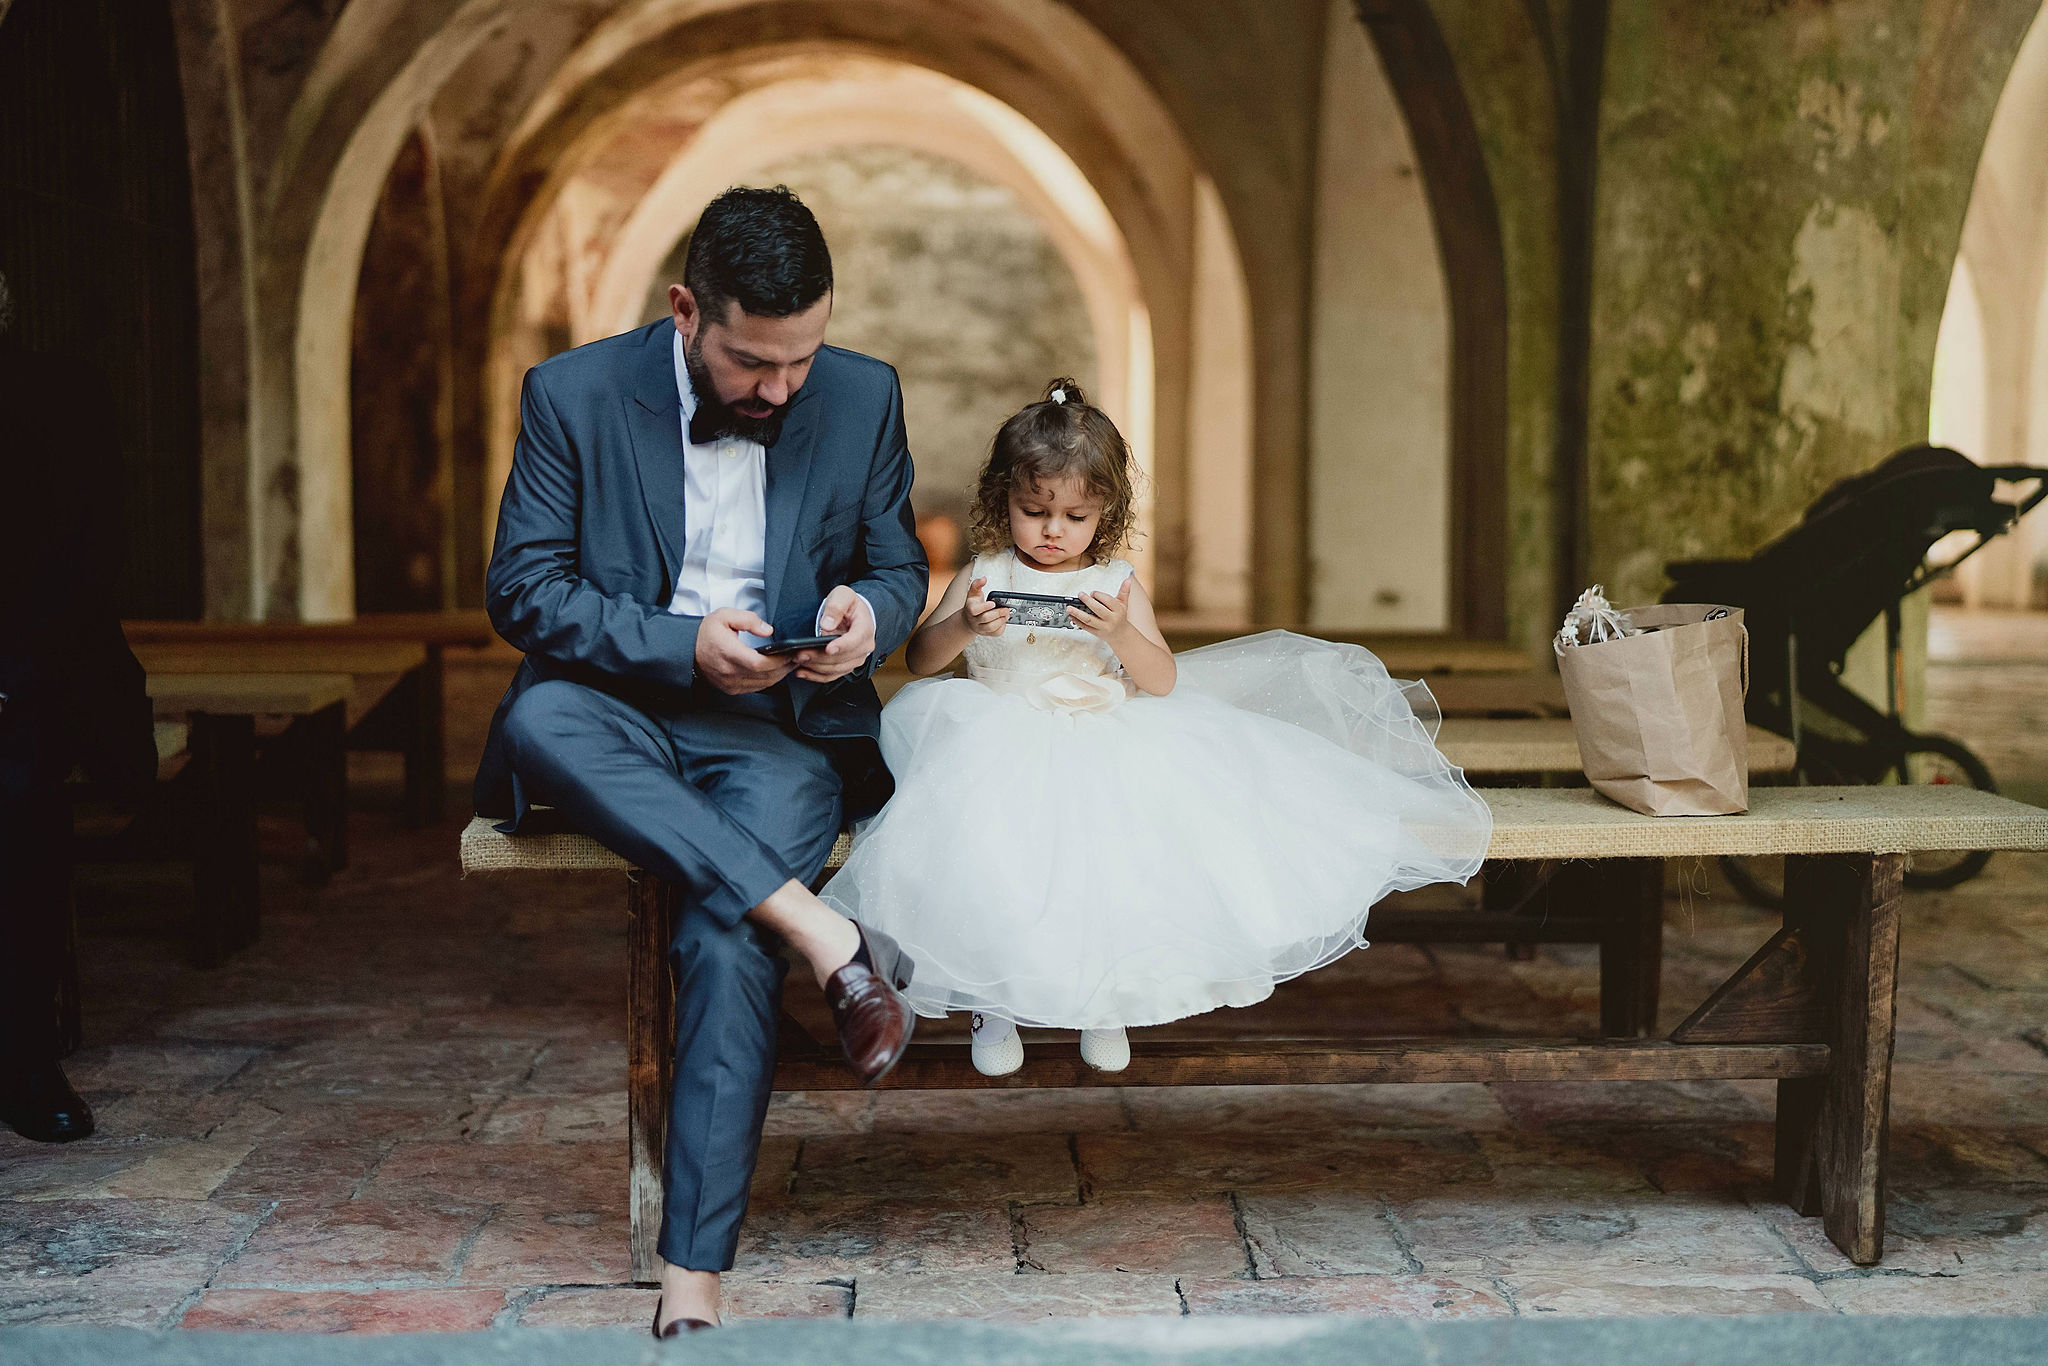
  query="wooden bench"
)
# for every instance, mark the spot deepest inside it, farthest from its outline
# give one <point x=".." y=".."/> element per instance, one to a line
<point x="1812" y="1009"/>
<point x="219" y="714"/>
<point x="1544" y="747"/>
<point x="394" y="658"/>
<point x="1406" y="656"/>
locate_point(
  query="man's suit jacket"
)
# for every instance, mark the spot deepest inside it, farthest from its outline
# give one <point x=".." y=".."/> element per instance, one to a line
<point x="590" y="541"/>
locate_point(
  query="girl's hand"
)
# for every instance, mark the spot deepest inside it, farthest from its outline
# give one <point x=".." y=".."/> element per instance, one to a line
<point x="1105" y="617"/>
<point x="983" y="617"/>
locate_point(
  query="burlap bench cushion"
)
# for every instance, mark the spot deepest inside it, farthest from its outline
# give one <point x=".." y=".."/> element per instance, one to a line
<point x="484" y="850"/>
<point x="1561" y="823"/>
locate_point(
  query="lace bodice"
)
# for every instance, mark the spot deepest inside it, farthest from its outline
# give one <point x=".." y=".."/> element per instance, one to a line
<point x="1023" y="654"/>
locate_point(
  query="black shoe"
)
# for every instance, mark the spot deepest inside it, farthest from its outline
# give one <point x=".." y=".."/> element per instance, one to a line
<point x="38" y="1103"/>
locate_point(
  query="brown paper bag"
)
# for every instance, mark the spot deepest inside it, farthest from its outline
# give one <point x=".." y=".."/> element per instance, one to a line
<point x="1658" y="716"/>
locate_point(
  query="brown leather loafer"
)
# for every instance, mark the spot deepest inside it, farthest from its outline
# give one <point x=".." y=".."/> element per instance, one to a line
<point x="677" y="1327"/>
<point x="868" y="1009"/>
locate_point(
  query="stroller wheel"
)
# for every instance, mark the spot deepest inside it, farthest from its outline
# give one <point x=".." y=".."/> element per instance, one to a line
<point x="1938" y="761"/>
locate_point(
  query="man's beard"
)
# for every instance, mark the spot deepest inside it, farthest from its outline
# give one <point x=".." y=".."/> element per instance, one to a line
<point x="715" y="416"/>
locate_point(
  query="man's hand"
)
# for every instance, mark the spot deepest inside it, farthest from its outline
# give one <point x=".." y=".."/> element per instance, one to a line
<point x="731" y="661"/>
<point x="843" y="615"/>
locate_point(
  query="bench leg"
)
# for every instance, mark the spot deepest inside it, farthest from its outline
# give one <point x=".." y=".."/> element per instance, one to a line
<point x="1627" y="896"/>
<point x="1505" y="886"/>
<point x="426" y="771"/>
<point x="322" y="740"/>
<point x="1833" y="1130"/>
<point x="222" y="819"/>
<point x="650" y="1056"/>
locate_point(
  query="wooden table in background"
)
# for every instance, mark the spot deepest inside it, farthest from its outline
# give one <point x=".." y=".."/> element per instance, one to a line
<point x="395" y="659"/>
<point x="220" y="711"/>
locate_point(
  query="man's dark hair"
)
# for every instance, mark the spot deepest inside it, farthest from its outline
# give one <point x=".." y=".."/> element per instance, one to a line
<point x="760" y="249"/>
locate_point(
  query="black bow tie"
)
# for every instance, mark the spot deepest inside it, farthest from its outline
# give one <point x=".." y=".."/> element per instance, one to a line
<point x="705" y="427"/>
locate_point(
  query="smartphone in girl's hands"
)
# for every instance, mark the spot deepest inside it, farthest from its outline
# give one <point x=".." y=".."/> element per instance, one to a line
<point x="1038" y="609"/>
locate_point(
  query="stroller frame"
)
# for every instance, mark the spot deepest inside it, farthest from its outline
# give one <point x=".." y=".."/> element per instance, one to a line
<point x="1860" y="551"/>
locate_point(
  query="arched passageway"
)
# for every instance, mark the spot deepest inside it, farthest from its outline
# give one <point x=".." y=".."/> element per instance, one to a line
<point x="1124" y="222"/>
<point x="1990" y="397"/>
<point x="950" y="306"/>
<point x="559" y="149"/>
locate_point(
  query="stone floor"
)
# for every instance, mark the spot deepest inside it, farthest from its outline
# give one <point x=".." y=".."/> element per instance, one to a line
<point x="404" y="1109"/>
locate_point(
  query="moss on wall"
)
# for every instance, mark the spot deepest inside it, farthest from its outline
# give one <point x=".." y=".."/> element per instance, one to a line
<point x="1781" y="188"/>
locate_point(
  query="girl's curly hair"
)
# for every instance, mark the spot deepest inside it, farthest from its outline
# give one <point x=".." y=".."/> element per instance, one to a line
<point x="1059" y="436"/>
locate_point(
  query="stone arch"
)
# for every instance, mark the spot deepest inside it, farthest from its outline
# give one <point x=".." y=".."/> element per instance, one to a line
<point x="1465" y="218"/>
<point x="378" y="70"/>
<point x="810" y="99"/>
<point x="1029" y="55"/>
<point x="1990" y="395"/>
<point x="386" y="61"/>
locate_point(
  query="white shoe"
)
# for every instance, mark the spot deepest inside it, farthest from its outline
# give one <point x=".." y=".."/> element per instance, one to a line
<point x="996" y="1048"/>
<point x="1106" y="1050"/>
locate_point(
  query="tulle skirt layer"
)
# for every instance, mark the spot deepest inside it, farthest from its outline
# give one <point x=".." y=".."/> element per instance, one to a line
<point x="1162" y="856"/>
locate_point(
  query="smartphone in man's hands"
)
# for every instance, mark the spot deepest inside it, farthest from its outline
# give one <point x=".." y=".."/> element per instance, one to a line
<point x="789" y="645"/>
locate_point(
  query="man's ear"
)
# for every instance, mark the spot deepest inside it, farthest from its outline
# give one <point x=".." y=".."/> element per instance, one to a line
<point x="682" y="307"/>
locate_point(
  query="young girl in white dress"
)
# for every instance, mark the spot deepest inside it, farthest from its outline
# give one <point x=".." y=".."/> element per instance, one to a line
<point x="1090" y="833"/>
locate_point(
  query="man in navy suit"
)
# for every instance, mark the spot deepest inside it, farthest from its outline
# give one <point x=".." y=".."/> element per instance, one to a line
<point x="681" y="496"/>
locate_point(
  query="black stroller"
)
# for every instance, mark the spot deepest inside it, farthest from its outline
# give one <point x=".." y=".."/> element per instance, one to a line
<point x="1807" y="596"/>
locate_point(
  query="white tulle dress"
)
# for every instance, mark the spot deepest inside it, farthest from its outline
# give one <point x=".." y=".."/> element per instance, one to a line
<point x="1064" y="852"/>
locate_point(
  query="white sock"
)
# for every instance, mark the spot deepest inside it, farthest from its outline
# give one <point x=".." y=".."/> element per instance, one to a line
<point x="991" y="1029"/>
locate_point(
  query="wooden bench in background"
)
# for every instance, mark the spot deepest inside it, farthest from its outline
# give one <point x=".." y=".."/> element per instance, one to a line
<point x="1545" y="747"/>
<point x="1812" y="1009"/>
<point x="393" y="658"/>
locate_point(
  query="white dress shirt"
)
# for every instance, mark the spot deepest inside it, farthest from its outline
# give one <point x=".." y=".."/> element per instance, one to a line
<point x="725" y="520"/>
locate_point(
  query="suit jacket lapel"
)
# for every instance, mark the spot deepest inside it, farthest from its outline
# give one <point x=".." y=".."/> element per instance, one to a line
<point x="789" y="472"/>
<point x="654" y="417"/>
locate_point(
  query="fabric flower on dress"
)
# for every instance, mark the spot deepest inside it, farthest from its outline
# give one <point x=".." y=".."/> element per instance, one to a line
<point x="1075" y="693"/>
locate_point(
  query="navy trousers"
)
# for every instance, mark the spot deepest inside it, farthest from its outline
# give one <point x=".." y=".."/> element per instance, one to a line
<point x="728" y="802"/>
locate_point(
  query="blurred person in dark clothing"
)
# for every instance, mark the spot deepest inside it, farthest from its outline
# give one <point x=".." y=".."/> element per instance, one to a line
<point x="71" y="697"/>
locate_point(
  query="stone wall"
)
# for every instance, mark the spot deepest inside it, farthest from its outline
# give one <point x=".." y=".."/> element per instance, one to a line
<point x="1781" y="188"/>
<point x="948" y="278"/>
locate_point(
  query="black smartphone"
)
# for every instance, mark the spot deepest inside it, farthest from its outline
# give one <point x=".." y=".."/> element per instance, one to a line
<point x="1038" y="609"/>
<point x="789" y="645"/>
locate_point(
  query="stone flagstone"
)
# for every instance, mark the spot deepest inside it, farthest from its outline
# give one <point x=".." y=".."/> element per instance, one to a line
<point x="1187" y="1237"/>
<point x="1639" y="1293"/>
<point x="342" y="1311"/>
<point x="816" y="1238"/>
<point x="633" y="1307"/>
<point x="1408" y="1297"/>
<point x="1334" y="1233"/>
<point x="943" y="1166"/>
<point x="1564" y="1235"/>
<point x="1014" y="1298"/>
<point x="359" y="1242"/>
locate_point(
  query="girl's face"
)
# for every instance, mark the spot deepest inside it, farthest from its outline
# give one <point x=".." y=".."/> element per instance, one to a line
<point x="1052" y="524"/>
